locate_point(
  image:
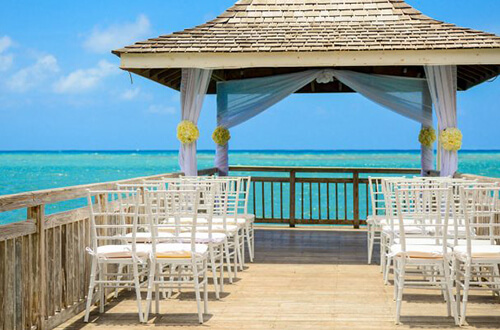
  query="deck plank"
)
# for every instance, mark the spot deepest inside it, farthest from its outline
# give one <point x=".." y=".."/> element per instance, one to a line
<point x="302" y="279"/>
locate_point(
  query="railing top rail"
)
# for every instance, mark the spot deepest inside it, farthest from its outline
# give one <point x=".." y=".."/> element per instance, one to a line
<point x="47" y="196"/>
<point x="479" y="178"/>
<point x="315" y="169"/>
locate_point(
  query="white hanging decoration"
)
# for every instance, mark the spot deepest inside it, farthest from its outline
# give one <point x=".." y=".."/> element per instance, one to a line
<point x="325" y="77"/>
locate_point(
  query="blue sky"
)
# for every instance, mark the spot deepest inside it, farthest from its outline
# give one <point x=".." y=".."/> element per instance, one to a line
<point x="60" y="87"/>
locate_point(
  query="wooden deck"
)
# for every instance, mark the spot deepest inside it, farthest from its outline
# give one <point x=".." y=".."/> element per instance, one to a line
<point x="302" y="279"/>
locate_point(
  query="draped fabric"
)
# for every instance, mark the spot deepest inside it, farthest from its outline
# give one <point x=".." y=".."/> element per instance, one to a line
<point x="442" y="80"/>
<point x="194" y="85"/>
<point x="241" y="100"/>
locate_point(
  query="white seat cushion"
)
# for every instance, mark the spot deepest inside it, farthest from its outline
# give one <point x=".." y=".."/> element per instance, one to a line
<point x="376" y="220"/>
<point x="215" y="220"/>
<point x="178" y="250"/>
<point x="146" y="237"/>
<point x="419" y="251"/>
<point x="204" y="237"/>
<point x="408" y="229"/>
<point x="247" y="216"/>
<point x="479" y="251"/>
<point x="463" y="242"/>
<point x="122" y="251"/>
<point x="418" y="241"/>
<point x="229" y="220"/>
<point x="231" y="229"/>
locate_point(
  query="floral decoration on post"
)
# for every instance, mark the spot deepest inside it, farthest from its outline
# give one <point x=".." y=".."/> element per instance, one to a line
<point x="427" y="136"/>
<point x="451" y="139"/>
<point x="221" y="135"/>
<point x="187" y="132"/>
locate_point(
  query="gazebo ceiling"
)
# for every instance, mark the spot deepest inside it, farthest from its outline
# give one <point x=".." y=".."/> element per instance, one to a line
<point x="257" y="38"/>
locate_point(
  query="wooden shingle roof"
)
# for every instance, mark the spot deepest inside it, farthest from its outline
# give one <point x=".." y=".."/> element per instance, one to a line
<point x="252" y="26"/>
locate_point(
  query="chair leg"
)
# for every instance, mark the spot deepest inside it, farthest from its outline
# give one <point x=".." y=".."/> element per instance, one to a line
<point x="369" y="243"/>
<point x="248" y="240"/>
<point x="157" y="298"/>
<point x="465" y="297"/>
<point x="151" y="277"/>
<point x="102" y="295"/>
<point x="457" y="288"/>
<point x="196" y="280"/>
<point x="90" y="293"/>
<point x="205" y="287"/>
<point x="220" y="250"/>
<point x="171" y="270"/>
<point x="214" y="270"/>
<point x="400" y="264"/>
<point x="444" y="288"/>
<point x="118" y="278"/>
<point x="237" y="255"/>
<point x="228" y="261"/>
<point x="449" y="286"/>
<point x="382" y="253"/>
<point x="388" y="262"/>
<point x="138" y="291"/>
<point x="242" y="250"/>
<point x="252" y="239"/>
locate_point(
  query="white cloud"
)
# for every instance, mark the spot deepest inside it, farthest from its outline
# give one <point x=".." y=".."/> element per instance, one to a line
<point x="83" y="80"/>
<point x="6" y="60"/>
<point x="33" y="75"/>
<point x="130" y="94"/>
<point x="5" y="42"/>
<point x="116" y="36"/>
<point x="162" y="110"/>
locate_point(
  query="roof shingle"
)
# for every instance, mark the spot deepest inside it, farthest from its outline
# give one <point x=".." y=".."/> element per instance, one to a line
<point x="317" y="25"/>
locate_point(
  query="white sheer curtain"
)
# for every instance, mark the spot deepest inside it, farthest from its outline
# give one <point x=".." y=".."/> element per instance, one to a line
<point x="426" y="153"/>
<point x="442" y="82"/>
<point x="194" y="85"/>
<point x="240" y="100"/>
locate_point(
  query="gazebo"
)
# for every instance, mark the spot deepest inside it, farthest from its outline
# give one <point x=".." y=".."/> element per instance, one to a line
<point x="260" y="51"/>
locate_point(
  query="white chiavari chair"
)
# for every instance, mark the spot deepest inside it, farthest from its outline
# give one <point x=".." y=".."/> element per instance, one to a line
<point x="477" y="262"/>
<point x="423" y="264"/>
<point x="113" y="216"/>
<point x="377" y="217"/>
<point x="217" y="242"/>
<point x="221" y="220"/>
<point x="166" y="209"/>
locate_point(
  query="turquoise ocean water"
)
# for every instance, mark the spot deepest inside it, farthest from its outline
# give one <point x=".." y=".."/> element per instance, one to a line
<point x="27" y="171"/>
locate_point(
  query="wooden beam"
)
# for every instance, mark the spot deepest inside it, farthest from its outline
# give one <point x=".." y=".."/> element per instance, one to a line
<point x="310" y="59"/>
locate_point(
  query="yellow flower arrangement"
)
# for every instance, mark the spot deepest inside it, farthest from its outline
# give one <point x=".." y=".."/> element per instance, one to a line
<point x="451" y="139"/>
<point x="187" y="132"/>
<point x="221" y="136"/>
<point x="427" y="136"/>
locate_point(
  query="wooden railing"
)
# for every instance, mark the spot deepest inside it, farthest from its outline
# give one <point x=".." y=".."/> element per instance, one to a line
<point x="44" y="270"/>
<point x="312" y="195"/>
<point x="44" y="267"/>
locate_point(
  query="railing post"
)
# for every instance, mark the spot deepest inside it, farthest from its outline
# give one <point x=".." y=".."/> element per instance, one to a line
<point x="37" y="213"/>
<point x="355" y="198"/>
<point x="292" y="199"/>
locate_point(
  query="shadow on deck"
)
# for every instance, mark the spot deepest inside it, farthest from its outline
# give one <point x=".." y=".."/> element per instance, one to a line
<point x="302" y="279"/>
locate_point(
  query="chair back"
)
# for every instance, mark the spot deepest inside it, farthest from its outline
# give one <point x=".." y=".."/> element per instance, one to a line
<point x="166" y="208"/>
<point x="376" y="197"/>
<point x="428" y="208"/>
<point x="115" y="217"/>
<point x="481" y="210"/>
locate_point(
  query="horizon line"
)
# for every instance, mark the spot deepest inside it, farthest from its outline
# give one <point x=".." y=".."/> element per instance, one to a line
<point x="235" y="150"/>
